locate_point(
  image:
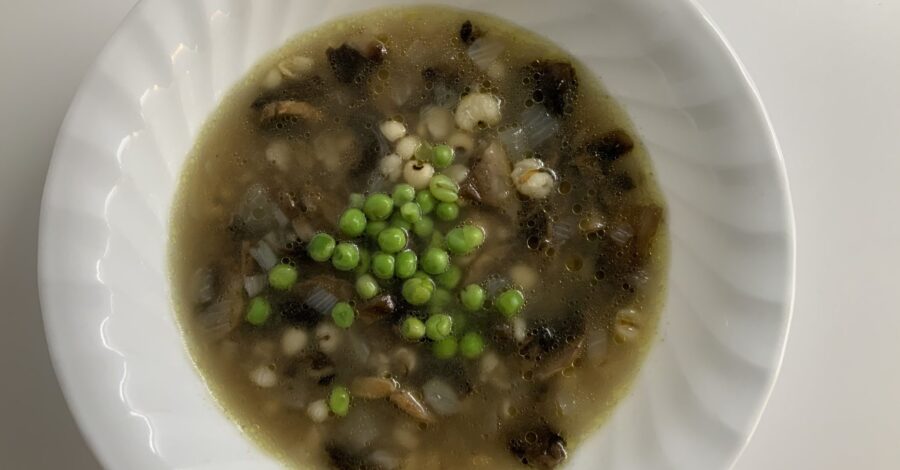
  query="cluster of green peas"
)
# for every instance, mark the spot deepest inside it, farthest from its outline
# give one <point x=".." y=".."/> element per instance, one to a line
<point x="428" y="277"/>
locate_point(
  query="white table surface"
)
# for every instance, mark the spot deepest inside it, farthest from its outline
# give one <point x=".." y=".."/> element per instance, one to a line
<point x="829" y="74"/>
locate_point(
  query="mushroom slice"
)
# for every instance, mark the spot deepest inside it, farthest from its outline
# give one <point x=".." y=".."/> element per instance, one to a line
<point x="289" y="108"/>
<point x="564" y="359"/>
<point x="411" y="405"/>
<point x="373" y="387"/>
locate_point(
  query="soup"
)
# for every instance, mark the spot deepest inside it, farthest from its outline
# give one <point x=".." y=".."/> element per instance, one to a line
<point x="419" y="238"/>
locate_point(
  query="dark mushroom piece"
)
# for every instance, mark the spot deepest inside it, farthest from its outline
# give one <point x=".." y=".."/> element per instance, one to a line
<point x="344" y="459"/>
<point x="549" y="338"/>
<point x="353" y="66"/>
<point x="555" y="85"/>
<point x="610" y="146"/>
<point x="468" y="33"/>
<point x="538" y="446"/>
<point x="289" y="109"/>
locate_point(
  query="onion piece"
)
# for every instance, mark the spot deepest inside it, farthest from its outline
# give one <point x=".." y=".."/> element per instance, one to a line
<point x="321" y="300"/>
<point x="515" y="140"/>
<point x="538" y="125"/>
<point x="622" y="234"/>
<point x="264" y="255"/>
<point x="218" y="318"/>
<point x="203" y="284"/>
<point x="484" y="51"/>
<point x="441" y="397"/>
<point x="255" y="284"/>
<point x="562" y="231"/>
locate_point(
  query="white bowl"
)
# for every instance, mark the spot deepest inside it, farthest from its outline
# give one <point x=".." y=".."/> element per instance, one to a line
<point x="104" y="224"/>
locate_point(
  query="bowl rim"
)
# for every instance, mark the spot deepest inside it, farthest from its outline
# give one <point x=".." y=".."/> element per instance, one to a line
<point x="55" y="182"/>
<point x="790" y="220"/>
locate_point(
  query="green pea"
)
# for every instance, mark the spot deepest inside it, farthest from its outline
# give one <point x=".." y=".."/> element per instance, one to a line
<point x="352" y="222"/>
<point x="343" y="315"/>
<point x="398" y="221"/>
<point x="510" y="302"/>
<point x="474" y="235"/>
<point x="282" y="276"/>
<point x="472" y="297"/>
<point x="440" y="300"/>
<point x="345" y="257"/>
<point x="424" y="227"/>
<point x="405" y="264"/>
<point x="403" y="193"/>
<point x="392" y="239"/>
<point x="411" y="212"/>
<point x="426" y="201"/>
<point x="463" y="240"/>
<point x="445" y="348"/>
<point x="438" y="327"/>
<point x="438" y="240"/>
<point x="357" y="200"/>
<point x="460" y="321"/>
<point x="443" y="156"/>
<point x="443" y="188"/>
<point x="418" y="290"/>
<point x="365" y="260"/>
<point x="447" y="211"/>
<point x="258" y="311"/>
<point x="471" y="345"/>
<point x="435" y="261"/>
<point x="378" y="206"/>
<point x="339" y="400"/>
<point x="374" y="228"/>
<point x="424" y="152"/>
<point x="450" y="278"/>
<point x="412" y="329"/>
<point x="383" y="265"/>
<point x="321" y="247"/>
<point x="367" y="286"/>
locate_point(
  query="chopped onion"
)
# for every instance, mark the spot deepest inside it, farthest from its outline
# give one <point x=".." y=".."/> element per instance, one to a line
<point x="538" y="125"/>
<point x="264" y="255"/>
<point x="217" y="318"/>
<point x="621" y="234"/>
<point x="515" y="140"/>
<point x="203" y="285"/>
<point x="321" y="300"/>
<point x="441" y="397"/>
<point x="282" y="219"/>
<point x="254" y="284"/>
<point x="563" y="230"/>
<point x="274" y="239"/>
<point x="484" y="51"/>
